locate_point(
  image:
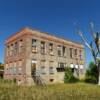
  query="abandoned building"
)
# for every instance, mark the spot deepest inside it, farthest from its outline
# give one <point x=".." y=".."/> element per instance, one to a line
<point x="31" y="55"/>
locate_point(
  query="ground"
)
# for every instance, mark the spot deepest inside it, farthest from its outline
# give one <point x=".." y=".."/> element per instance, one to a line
<point x="77" y="91"/>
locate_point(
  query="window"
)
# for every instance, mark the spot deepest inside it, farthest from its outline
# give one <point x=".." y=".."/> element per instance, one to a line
<point x="51" y="67"/>
<point x="20" y="63"/>
<point x="64" y="50"/>
<point x="81" y="69"/>
<point x="6" y="69"/>
<point x="43" y="47"/>
<point x="70" y="52"/>
<point x="43" y="71"/>
<point x="21" y="46"/>
<point x="51" y="70"/>
<point x="33" y="67"/>
<point x="8" y="50"/>
<point x="61" y="65"/>
<point x="14" y="68"/>
<point x="20" y="67"/>
<point x="16" y="47"/>
<point x="80" y="54"/>
<point x="59" y="50"/>
<point x="34" y="46"/>
<point x="51" y="48"/>
<point x="75" y="52"/>
<point x="11" y="50"/>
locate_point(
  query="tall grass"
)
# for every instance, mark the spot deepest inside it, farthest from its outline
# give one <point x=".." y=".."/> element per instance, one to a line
<point x="78" y="91"/>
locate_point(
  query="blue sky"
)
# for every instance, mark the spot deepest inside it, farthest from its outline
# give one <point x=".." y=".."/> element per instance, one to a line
<point x="57" y="17"/>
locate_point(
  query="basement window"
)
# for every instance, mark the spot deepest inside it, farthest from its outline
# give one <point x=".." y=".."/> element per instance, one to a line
<point x="51" y="80"/>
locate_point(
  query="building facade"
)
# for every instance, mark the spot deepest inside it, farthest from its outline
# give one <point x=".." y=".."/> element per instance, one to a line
<point x="31" y="53"/>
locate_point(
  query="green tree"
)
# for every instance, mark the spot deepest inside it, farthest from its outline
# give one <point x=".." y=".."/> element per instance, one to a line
<point x="92" y="73"/>
<point x="69" y="77"/>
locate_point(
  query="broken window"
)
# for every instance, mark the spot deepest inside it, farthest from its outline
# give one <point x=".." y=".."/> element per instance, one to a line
<point x="70" y="52"/>
<point x="20" y="67"/>
<point x="51" y="67"/>
<point x="80" y="54"/>
<point x="11" y="50"/>
<point x="43" y="47"/>
<point x="21" y="46"/>
<point x="8" y="51"/>
<point x="64" y="50"/>
<point x="14" y="68"/>
<point x="59" y="50"/>
<point x="51" y="48"/>
<point x="51" y="70"/>
<point x="61" y="65"/>
<point x="34" y="45"/>
<point x="75" y="52"/>
<point x="16" y="48"/>
<point x="43" y="71"/>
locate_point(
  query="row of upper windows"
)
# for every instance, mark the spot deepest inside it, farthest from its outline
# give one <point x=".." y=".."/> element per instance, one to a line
<point x="61" y="50"/>
<point x="18" y="47"/>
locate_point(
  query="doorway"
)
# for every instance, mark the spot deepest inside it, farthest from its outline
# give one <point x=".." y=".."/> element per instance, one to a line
<point x="33" y="68"/>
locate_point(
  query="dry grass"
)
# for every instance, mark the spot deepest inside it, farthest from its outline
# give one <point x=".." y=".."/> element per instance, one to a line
<point x="78" y="91"/>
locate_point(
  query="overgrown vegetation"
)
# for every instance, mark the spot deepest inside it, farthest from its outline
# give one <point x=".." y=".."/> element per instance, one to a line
<point x="92" y="74"/>
<point x="69" y="77"/>
<point x="76" y="91"/>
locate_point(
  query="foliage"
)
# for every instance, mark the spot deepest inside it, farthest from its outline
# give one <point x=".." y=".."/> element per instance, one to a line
<point x="92" y="73"/>
<point x="69" y="77"/>
<point x="1" y="66"/>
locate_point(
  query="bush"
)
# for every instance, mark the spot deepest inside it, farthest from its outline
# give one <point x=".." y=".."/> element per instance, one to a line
<point x="91" y="80"/>
<point x="69" y="77"/>
<point x="92" y="74"/>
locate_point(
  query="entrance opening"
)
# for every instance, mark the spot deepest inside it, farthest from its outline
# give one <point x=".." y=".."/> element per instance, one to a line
<point x="33" y="68"/>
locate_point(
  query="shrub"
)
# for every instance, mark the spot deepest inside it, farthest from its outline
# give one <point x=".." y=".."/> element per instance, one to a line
<point x="92" y="74"/>
<point x="91" y="79"/>
<point x="69" y="77"/>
